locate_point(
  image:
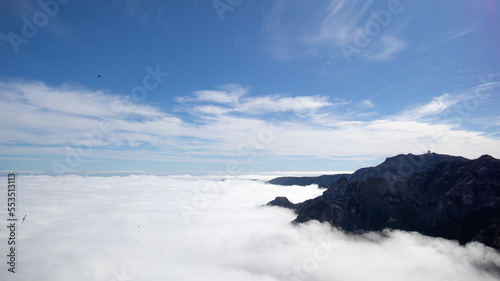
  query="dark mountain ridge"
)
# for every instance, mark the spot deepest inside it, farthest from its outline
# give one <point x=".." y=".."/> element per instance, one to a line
<point x="454" y="198"/>
<point x="323" y="181"/>
<point x="395" y="168"/>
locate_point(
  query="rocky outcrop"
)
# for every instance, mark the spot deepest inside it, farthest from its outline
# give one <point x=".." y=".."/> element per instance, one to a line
<point x="457" y="199"/>
<point x="285" y="203"/>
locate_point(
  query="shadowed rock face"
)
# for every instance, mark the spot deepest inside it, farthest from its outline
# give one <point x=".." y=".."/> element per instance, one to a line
<point x="322" y="181"/>
<point x="395" y="168"/>
<point x="285" y="203"/>
<point x="457" y="199"/>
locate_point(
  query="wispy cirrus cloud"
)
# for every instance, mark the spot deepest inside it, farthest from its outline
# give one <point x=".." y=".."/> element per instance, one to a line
<point x="432" y="109"/>
<point x="385" y="49"/>
<point x="61" y="115"/>
<point x="457" y="34"/>
<point x="339" y="28"/>
<point x="147" y="12"/>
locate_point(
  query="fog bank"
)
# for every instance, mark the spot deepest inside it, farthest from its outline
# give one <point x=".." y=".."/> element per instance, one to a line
<point x="206" y="228"/>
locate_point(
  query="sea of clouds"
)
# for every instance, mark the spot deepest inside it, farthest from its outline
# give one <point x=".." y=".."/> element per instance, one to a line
<point x="208" y="228"/>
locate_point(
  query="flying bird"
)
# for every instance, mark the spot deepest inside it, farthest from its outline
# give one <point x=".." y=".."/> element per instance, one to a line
<point x="24" y="218"/>
<point x="98" y="75"/>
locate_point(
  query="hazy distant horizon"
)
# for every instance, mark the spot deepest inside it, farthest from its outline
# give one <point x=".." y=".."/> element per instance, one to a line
<point x="213" y="174"/>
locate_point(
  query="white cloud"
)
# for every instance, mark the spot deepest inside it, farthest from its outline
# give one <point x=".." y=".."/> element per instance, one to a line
<point x="437" y="106"/>
<point x="379" y="137"/>
<point x="229" y="94"/>
<point x="210" y="110"/>
<point x="233" y="102"/>
<point x="203" y="228"/>
<point x="34" y="113"/>
<point x="364" y="104"/>
<point x="224" y="124"/>
<point x="281" y="104"/>
<point x="71" y="100"/>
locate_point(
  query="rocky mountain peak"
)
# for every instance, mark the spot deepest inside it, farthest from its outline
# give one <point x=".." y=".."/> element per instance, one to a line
<point x="402" y="166"/>
<point x="436" y="195"/>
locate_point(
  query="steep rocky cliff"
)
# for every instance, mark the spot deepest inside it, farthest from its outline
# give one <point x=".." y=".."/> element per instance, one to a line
<point x="455" y="199"/>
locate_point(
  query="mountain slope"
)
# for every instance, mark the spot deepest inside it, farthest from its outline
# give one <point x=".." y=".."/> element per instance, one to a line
<point x="457" y="199"/>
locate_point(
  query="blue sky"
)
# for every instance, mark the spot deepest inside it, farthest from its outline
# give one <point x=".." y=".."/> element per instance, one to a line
<point x="245" y="86"/>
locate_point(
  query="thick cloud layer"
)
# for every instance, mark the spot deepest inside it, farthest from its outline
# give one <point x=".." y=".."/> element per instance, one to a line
<point x="204" y="228"/>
